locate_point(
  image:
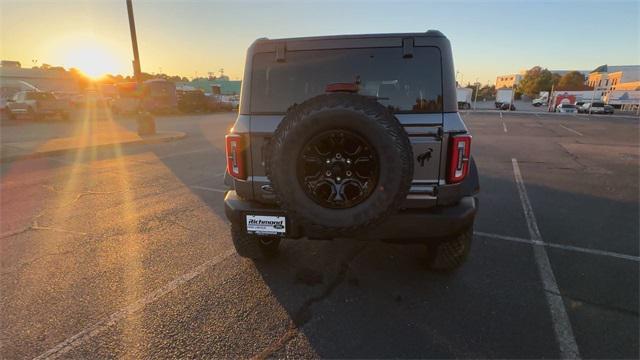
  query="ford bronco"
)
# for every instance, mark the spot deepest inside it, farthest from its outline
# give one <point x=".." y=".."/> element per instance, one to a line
<point x="354" y="136"/>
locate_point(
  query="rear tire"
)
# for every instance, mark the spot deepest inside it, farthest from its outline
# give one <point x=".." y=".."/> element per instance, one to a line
<point x="253" y="247"/>
<point x="449" y="254"/>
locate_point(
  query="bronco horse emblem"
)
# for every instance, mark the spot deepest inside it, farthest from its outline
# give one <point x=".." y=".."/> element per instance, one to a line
<point x="424" y="156"/>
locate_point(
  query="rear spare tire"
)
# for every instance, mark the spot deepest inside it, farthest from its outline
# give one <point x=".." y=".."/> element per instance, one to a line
<point x="339" y="163"/>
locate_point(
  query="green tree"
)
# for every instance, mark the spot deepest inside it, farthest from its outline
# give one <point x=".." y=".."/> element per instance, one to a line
<point x="537" y="79"/>
<point x="573" y="80"/>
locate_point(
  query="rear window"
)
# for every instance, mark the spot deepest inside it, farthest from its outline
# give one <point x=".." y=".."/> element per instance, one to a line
<point x="597" y="104"/>
<point x="402" y="84"/>
<point x="40" y="96"/>
<point x="568" y="106"/>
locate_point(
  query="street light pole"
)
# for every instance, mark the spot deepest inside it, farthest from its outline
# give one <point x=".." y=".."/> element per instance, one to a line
<point x="146" y="123"/>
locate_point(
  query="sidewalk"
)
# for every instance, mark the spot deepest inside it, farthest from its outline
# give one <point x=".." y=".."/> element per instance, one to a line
<point x="43" y="141"/>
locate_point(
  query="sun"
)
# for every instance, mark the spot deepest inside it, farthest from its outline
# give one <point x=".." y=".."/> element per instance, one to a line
<point x="89" y="55"/>
<point x="92" y="60"/>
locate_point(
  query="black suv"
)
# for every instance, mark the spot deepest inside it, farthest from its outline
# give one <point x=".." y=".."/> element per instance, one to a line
<point x="354" y="136"/>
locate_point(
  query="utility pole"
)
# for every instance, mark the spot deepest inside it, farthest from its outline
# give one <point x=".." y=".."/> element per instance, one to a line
<point x="475" y="101"/>
<point x="513" y="95"/>
<point x="146" y="123"/>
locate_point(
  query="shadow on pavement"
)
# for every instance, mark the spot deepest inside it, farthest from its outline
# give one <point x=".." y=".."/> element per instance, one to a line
<point x="356" y="299"/>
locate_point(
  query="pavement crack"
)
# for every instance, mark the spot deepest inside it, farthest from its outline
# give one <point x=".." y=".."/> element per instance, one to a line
<point x="304" y="314"/>
<point x="177" y="223"/>
<point x="35" y="226"/>
<point x="87" y="193"/>
<point x="17" y="232"/>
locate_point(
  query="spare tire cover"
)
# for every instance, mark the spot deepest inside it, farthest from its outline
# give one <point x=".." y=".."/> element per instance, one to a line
<point x="339" y="163"/>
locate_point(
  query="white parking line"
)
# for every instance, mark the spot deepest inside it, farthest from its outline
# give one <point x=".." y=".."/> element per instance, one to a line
<point x="559" y="246"/>
<point x="569" y="129"/>
<point x="561" y="324"/>
<point x="504" y="127"/>
<point x="208" y="188"/>
<point x="93" y="330"/>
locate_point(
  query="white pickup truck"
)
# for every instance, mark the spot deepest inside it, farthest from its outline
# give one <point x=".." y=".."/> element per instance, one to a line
<point x="36" y="105"/>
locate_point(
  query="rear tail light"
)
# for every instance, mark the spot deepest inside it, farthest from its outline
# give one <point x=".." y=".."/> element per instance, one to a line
<point x="459" y="151"/>
<point x="236" y="165"/>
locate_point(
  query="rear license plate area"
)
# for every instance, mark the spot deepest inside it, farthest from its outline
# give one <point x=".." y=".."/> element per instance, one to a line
<point x="266" y="225"/>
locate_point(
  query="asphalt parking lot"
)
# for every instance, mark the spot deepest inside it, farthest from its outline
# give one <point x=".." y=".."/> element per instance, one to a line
<point x="126" y="253"/>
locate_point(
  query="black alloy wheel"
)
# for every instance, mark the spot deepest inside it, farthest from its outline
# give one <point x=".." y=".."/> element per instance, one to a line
<point x="338" y="169"/>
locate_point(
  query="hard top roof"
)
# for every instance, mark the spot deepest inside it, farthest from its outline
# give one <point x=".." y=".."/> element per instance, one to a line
<point x="428" y="38"/>
<point x="428" y="33"/>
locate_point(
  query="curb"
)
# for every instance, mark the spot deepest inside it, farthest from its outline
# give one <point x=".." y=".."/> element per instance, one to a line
<point x="156" y="139"/>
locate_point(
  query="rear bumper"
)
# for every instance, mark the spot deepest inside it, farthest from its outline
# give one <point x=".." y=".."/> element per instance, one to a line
<point x="405" y="226"/>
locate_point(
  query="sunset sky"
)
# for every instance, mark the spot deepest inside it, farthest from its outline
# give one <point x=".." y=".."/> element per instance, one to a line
<point x="189" y="37"/>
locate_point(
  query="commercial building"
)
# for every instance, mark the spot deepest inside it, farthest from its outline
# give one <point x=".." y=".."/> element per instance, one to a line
<point x="606" y="78"/>
<point x="227" y="87"/>
<point x="508" y="81"/>
<point x="12" y="75"/>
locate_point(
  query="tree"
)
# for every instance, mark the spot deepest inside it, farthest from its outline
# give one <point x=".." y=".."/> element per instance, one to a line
<point x="81" y="79"/>
<point x="484" y="92"/>
<point x="537" y="79"/>
<point x="573" y="80"/>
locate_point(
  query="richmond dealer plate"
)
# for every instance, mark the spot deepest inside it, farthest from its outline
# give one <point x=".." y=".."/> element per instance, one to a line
<point x="266" y="225"/>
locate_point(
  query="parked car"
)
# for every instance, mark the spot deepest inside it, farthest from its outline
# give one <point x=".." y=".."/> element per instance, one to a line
<point x="539" y="102"/>
<point x="217" y="103"/>
<point x="90" y="99"/>
<point x="157" y="96"/>
<point x="579" y="105"/>
<point x="4" y="109"/>
<point x="608" y="109"/>
<point x="353" y="137"/>
<point x="192" y="101"/>
<point x="567" y="108"/>
<point x="597" y="107"/>
<point x="505" y="106"/>
<point x="37" y="105"/>
<point x="8" y="88"/>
